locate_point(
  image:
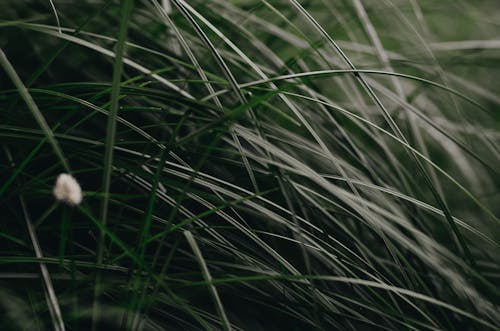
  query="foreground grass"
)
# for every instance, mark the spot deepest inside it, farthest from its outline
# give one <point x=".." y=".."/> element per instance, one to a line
<point x="250" y="165"/>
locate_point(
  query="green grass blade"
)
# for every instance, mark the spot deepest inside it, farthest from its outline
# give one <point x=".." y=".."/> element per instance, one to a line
<point x="109" y="145"/>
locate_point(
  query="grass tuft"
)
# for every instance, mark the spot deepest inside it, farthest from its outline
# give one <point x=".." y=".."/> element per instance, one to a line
<point x="250" y="165"/>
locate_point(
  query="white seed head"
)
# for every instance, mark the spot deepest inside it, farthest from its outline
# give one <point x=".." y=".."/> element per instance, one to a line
<point x="68" y="190"/>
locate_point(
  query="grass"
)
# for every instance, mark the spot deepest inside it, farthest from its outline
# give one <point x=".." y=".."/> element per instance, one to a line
<point x="250" y="165"/>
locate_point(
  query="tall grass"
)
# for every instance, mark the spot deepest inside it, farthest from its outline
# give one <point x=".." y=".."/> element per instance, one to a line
<point x="250" y="165"/>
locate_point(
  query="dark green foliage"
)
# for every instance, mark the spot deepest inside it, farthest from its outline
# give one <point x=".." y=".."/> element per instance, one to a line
<point x="250" y="165"/>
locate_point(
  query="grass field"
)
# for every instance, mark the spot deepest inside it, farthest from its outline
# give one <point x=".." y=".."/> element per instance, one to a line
<point x="250" y="165"/>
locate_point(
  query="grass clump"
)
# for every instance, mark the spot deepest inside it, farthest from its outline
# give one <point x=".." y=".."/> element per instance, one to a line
<point x="250" y="165"/>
